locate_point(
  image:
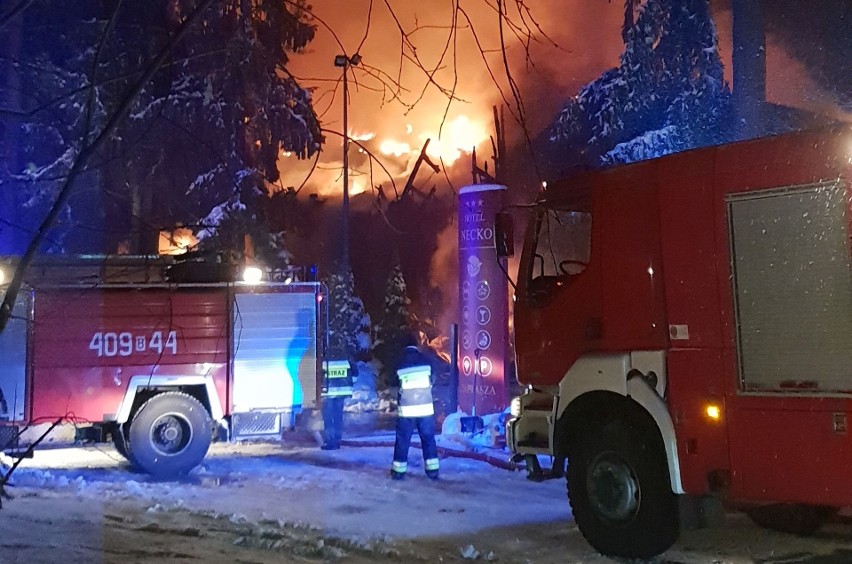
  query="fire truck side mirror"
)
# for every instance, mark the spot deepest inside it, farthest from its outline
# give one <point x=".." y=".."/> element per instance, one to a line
<point x="504" y="234"/>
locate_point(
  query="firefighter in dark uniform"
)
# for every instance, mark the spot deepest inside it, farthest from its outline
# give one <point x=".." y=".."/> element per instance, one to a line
<point x="415" y="411"/>
<point x="338" y="376"/>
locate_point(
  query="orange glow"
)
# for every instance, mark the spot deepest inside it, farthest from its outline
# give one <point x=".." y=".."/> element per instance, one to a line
<point x="176" y="242"/>
<point x="356" y="187"/>
<point x="395" y="148"/>
<point x="713" y="412"/>
<point x="460" y="135"/>
<point x="365" y="136"/>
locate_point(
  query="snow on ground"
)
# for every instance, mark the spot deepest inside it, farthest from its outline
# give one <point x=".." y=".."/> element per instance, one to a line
<point x="340" y="504"/>
<point x="343" y="497"/>
<point x="291" y="502"/>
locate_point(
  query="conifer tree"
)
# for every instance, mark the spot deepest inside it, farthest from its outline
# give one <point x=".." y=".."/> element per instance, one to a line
<point x="348" y="321"/>
<point x="668" y="93"/>
<point x="201" y="142"/>
<point x="394" y="321"/>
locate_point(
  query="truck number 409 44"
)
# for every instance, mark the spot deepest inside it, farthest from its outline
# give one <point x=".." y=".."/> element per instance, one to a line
<point x="125" y="344"/>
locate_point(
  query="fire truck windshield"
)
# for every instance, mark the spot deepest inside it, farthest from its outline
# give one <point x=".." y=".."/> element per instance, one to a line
<point x="562" y="245"/>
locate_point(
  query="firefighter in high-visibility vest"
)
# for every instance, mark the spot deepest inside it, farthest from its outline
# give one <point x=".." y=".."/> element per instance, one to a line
<point x="338" y="378"/>
<point x="415" y="411"/>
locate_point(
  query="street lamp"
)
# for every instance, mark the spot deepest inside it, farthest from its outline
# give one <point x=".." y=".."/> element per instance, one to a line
<point x="345" y="62"/>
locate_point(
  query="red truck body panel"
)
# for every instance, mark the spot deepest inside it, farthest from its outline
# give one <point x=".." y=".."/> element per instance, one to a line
<point x="249" y="353"/>
<point x="783" y="446"/>
<point x="111" y="335"/>
<point x="660" y="258"/>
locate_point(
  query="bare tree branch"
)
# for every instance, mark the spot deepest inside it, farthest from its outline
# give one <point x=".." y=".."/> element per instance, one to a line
<point x="85" y="154"/>
<point x="11" y="14"/>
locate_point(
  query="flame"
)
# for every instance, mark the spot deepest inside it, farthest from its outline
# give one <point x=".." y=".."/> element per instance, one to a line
<point x="364" y="136"/>
<point x="393" y="147"/>
<point x="461" y="135"/>
<point x="356" y="187"/>
<point x="176" y="242"/>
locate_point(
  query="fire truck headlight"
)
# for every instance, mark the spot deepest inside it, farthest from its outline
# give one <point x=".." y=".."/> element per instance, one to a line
<point x="252" y="275"/>
<point x="2" y="275"/>
<point x="515" y="407"/>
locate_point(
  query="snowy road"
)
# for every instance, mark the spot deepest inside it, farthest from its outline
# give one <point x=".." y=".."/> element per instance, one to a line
<point x="264" y="503"/>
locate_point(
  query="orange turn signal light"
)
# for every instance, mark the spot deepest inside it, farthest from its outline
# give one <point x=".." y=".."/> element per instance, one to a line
<point x="713" y="411"/>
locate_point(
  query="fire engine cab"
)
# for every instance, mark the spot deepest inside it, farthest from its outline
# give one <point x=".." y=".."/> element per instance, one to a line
<point x="137" y="352"/>
<point x="683" y="328"/>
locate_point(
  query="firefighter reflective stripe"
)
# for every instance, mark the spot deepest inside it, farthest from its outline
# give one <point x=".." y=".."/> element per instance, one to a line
<point x="337" y="380"/>
<point x="337" y="368"/>
<point x="432" y="464"/>
<point x="399" y="467"/>
<point x="415" y="391"/>
<point x="422" y="410"/>
<point x="414" y="377"/>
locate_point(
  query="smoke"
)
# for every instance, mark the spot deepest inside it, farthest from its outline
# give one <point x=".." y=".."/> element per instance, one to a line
<point x="582" y="41"/>
<point x="444" y="274"/>
<point x="577" y="41"/>
<point x="791" y="41"/>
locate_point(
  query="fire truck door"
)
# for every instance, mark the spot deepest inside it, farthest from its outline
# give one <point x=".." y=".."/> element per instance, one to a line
<point x="793" y="298"/>
<point x="274" y="351"/>
<point x="13" y="364"/>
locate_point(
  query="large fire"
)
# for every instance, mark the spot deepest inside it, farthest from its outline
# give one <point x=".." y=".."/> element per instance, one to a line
<point x="395" y="149"/>
<point x="391" y="147"/>
<point x="434" y="84"/>
<point x="458" y="136"/>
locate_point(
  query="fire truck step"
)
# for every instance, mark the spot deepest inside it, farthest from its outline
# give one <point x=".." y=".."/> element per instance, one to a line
<point x="534" y="443"/>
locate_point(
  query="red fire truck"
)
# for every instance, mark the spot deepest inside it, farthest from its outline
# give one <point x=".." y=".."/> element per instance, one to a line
<point x="683" y="328"/>
<point x="159" y="367"/>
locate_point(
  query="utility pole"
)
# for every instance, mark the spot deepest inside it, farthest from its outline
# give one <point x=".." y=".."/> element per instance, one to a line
<point x="749" y="64"/>
<point x="345" y="62"/>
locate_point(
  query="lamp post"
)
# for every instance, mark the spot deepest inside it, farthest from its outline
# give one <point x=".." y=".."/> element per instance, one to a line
<point x="345" y="62"/>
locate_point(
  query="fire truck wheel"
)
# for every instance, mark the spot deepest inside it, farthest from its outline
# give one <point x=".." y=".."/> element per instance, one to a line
<point x="119" y="440"/>
<point x="620" y="493"/>
<point x="170" y="434"/>
<point x="803" y="520"/>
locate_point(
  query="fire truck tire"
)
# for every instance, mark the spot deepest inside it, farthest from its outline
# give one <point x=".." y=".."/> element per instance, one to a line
<point x="170" y="434"/>
<point x="119" y="440"/>
<point x="802" y="520"/>
<point x="620" y="493"/>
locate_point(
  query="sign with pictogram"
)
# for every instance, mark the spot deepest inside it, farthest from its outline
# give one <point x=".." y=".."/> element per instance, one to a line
<point x="483" y="302"/>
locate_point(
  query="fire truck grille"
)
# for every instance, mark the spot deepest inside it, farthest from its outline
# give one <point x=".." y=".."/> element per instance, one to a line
<point x="256" y="424"/>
